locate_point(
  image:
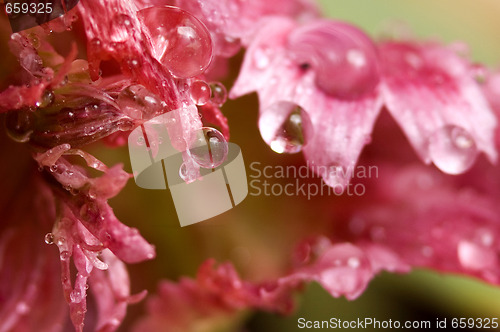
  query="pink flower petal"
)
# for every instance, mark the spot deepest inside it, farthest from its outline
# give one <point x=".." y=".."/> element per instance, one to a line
<point x="341" y="124"/>
<point x="432" y="94"/>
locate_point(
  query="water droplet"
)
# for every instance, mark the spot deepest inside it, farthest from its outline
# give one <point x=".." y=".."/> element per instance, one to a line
<point x="228" y="46"/>
<point x="475" y="257"/>
<point x="208" y="148"/>
<point x="452" y="149"/>
<point x="22" y="308"/>
<point x="76" y="296"/>
<point x="285" y="126"/>
<point x="183" y="171"/>
<point x="200" y="92"/>
<point x="64" y="255"/>
<point x="34" y="40"/>
<point x="345" y="270"/>
<point x="47" y="99"/>
<point x="218" y="93"/>
<point x="49" y="238"/>
<point x="180" y="41"/>
<point x="138" y="102"/>
<point x="346" y="68"/>
<point x="133" y="63"/>
<point x="141" y="140"/>
<point x="53" y="168"/>
<point x="261" y="58"/>
<point x="19" y="125"/>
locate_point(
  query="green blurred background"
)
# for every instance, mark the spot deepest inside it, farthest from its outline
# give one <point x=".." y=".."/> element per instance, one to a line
<point x="259" y="234"/>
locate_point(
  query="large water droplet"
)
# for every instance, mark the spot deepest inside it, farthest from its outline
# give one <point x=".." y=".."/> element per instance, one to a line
<point x="218" y="94"/>
<point x="138" y="102"/>
<point x="452" y="149"/>
<point x="200" y="92"/>
<point x="49" y="238"/>
<point x="343" y="58"/>
<point x="208" y="148"/>
<point x="19" y="125"/>
<point x="285" y="126"/>
<point x="179" y="40"/>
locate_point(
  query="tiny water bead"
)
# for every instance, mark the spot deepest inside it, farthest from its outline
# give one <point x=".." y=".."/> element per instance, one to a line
<point x="285" y="127"/>
<point x="47" y="99"/>
<point x="452" y="149"/>
<point x="200" y="92"/>
<point x="179" y="40"/>
<point x="208" y="148"/>
<point x="49" y="238"/>
<point x="218" y="93"/>
<point x="138" y="102"/>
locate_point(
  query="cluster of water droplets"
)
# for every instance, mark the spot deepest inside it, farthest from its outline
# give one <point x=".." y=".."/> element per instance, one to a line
<point x="285" y="126"/>
<point x="452" y="149"/>
<point x="203" y="92"/>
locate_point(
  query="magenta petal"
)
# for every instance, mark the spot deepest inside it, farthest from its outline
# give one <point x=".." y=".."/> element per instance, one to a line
<point x="432" y="94"/>
<point x="340" y="127"/>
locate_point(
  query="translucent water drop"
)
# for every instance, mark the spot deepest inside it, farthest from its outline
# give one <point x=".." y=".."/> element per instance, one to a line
<point x="261" y="58"/>
<point x="200" y="92"/>
<point x="19" y="125"/>
<point x="228" y="46"/>
<point x="76" y="296"/>
<point x="64" y="255"/>
<point x="452" y="149"/>
<point x="345" y="270"/>
<point x="475" y="257"/>
<point x="141" y="140"/>
<point x="218" y="93"/>
<point x="47" y="99"/>
<point x="344" y="58"/>
<point x="285" y="126"/>
<point x="183" y="172"/>
<point x="49" y="238"/>
<point x="138" y="102"/>
<point x="336" y="176"/>
<point x="179" y="40"/>
<point x="208" y="148"/>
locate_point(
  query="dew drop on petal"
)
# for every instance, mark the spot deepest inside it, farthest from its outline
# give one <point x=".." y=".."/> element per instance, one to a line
<point x="183" y="172"/>
<point x="64" y="255"/>
<point x="475" y="257"/>
<point x="19" y="125"/>
<point x="200" y="92"/>
<point x="47" y="99"/>
<point x="208" y="148"/>
<point x="138" y="102"/>
<point x="76" y="296"/>
<point x="452" y="149"/>
<point x="285" y="126"/>
<point x="179" y="40"/>
<point x="218" y="93"/>
<point x="344" y="58"/>
<point x="49" y="238"/>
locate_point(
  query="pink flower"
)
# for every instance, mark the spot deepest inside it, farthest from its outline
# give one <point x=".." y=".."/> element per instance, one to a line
<point x="341" y="88"/>
<point x="321" y="86"/>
